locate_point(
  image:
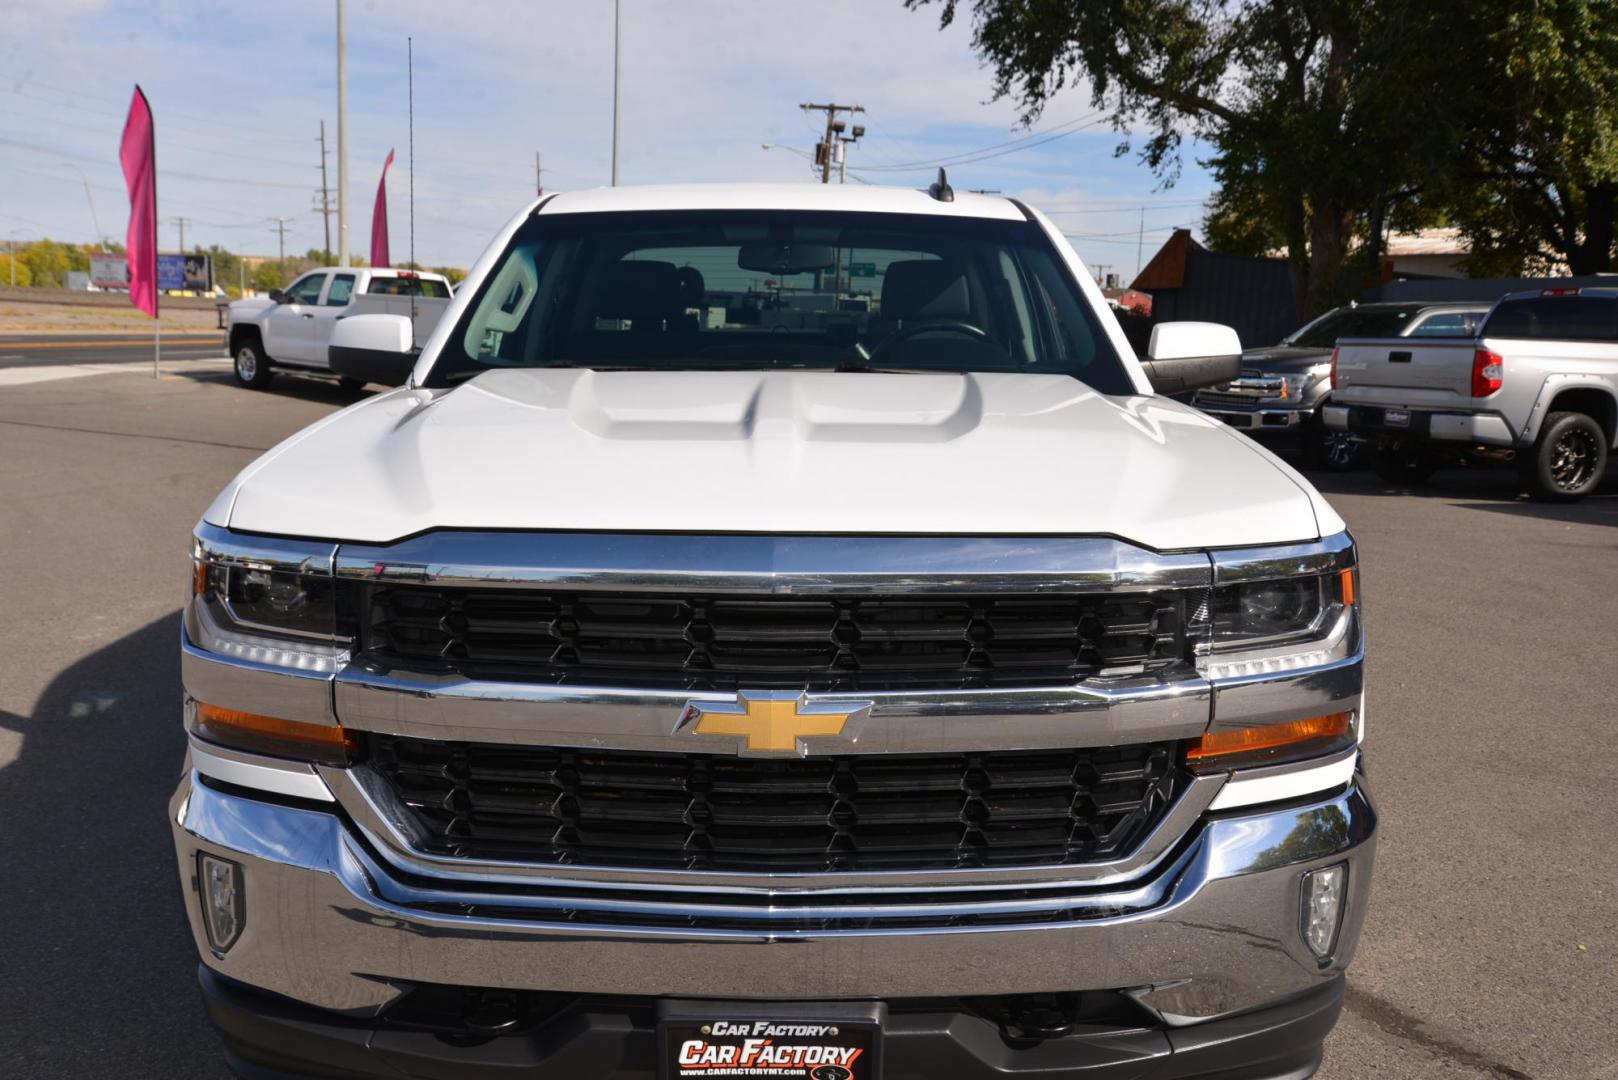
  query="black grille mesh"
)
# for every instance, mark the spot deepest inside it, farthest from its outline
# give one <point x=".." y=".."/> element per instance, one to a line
<point x="680" y="811"/>
<point x="726" y="643"/>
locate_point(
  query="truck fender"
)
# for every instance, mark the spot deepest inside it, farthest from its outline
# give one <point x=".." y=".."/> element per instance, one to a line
<point x="1554" y="385"/>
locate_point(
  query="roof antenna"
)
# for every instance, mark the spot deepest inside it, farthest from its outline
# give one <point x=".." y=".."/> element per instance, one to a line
<point x="940" y="188"/>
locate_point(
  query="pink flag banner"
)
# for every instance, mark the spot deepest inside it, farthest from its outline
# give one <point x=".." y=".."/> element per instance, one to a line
<point x="138" y="153"/>
<point x="379" y="218"/>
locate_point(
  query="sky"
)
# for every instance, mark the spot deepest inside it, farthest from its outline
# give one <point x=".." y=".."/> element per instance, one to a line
<point x="710" y="92"/>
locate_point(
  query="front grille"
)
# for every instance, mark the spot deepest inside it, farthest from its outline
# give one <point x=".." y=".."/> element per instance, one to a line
<point x="700" y="642"/>
<point x="1214" y="399"/>
<point x="836" y="813"/>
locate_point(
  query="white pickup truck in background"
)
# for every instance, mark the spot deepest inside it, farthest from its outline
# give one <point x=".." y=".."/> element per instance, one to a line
<point x="291" y="328"/>
<point x="1540" y="380"/>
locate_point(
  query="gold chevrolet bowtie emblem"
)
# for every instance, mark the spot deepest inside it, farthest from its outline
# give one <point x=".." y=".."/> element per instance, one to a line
<point x="774" y="721"/>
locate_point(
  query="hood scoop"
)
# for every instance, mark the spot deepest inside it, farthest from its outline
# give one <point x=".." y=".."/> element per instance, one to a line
<point x="736" y="406"/>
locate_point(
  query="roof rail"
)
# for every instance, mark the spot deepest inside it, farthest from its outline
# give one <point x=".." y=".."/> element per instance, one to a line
<point x="940" y="188"/>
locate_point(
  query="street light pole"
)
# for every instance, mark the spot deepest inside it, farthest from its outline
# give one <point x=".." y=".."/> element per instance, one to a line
<point x="342" y="139"/>
<point x="617" y="46"/>
<point x="94" y="219"/>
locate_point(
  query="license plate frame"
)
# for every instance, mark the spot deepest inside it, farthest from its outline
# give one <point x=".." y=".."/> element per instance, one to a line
<point x="823" y="1056"/>
<point x="1396" y="418"/>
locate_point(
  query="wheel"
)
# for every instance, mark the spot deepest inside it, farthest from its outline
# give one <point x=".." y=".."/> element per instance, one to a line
<point x="350" y="385"/>
<point x="1567" y="460"/>
<point x="1402" y="465"/>
<point x="1329" y="450"/>
<point x="251" y="366"/>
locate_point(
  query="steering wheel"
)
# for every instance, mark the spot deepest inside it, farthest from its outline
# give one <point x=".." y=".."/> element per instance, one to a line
<point x="949" y="326"/>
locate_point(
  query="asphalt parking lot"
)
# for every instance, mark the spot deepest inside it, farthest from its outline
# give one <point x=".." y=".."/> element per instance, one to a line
<point x="1491" y="949"/>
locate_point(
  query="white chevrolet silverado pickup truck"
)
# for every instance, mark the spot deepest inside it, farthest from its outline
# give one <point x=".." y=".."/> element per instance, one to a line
<point x="291" y="328"/>
<point x="718" y="662"/>
<point x="1539" y="382"/>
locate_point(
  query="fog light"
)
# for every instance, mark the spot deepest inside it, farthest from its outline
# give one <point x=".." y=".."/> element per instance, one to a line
<point x="223" y="903"/>
<point x="1323" y="908"/>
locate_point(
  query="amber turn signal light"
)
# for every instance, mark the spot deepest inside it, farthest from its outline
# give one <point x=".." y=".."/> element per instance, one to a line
<point x="329" y="743"/>
<point x="1271" y="743"/>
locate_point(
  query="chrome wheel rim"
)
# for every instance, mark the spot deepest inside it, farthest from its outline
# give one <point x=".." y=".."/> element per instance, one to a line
<point x="246" y="363"/>
<point x="1573" y="459"/>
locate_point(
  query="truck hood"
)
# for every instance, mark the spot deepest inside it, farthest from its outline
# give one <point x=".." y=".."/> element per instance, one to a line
<point x="782" y="452"/>
<point x="249" y="306"/>
<point x="1283" y="359"/>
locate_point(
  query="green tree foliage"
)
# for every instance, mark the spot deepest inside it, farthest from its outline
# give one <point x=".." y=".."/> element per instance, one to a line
<point x="1538" y="182"/>
<point x="1331" y="121"/>
<point x="1307" y="104"/>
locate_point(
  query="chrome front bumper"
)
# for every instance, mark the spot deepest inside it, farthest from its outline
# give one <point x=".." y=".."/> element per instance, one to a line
<point x="1209" y="929"/>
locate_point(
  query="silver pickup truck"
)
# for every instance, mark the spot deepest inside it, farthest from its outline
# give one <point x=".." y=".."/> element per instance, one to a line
<point x="1539" y="381"/>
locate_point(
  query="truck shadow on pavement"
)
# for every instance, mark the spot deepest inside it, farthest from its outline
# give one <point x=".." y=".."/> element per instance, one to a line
<point x="303" y="387"/>
<point x="99" y="969"/>
<point x="1490" y="489"/>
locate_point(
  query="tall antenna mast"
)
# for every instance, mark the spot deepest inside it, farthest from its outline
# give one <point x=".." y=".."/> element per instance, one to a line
<point x="410" y="82"/>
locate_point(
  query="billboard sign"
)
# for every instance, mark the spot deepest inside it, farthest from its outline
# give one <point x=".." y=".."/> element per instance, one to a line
<point x="174" y="272"/>
<point x="109" y="271"/>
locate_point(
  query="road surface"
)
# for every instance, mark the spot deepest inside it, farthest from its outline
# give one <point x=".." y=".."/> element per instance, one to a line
<point x="61" y="350"/>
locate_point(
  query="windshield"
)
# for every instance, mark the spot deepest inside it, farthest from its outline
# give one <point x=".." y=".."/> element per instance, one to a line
<point x="752" y="290"/>
<point x="1352" y="322"/>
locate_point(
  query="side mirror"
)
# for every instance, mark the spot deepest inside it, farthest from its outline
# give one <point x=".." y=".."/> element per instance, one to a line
<point x="373" y="348"/>
<point x="277" y="296"/>
<point x="1186" y="356"/>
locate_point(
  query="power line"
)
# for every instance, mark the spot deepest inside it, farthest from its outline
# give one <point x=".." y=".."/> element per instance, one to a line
<point x="1021" y="142"/>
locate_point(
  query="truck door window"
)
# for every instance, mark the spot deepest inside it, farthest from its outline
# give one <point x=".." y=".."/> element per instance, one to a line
<point x="306" y="290"/>
<point x="342" y="289"/>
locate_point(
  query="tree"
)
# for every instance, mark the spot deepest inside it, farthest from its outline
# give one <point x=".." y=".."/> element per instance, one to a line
<point x="1540" y="178"/>
<point x="1319" y="112"/>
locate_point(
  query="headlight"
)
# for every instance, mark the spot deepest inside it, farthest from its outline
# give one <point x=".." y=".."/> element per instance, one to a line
<point x="1274" y="624"/>
<point x="273" y="603"/>
<point x="1294" y="386"/>
<point x="278" y="602"/>
<point x="1268" y="612"/>
<point x="283" y="589"/>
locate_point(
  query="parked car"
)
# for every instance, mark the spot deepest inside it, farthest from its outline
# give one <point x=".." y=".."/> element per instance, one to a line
<point x="291" y="328"/>
<point x="1278" y="397"/>
<point x="643" y="691"/>
<point x="1540" y="381"/>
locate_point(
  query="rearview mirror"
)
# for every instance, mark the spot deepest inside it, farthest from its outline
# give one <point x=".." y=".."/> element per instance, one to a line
<point x="1186" y="356"/>
<point x="785" y="258"/>
<point x="277" y="296"/>
<point x="374" y="348"/>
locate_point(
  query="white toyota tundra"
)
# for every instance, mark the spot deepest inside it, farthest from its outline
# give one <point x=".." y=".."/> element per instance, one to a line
<point x="775" y="631"/>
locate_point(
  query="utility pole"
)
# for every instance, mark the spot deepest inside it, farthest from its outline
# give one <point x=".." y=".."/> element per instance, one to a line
<point x="539" y="176"/>
<point x="281" y="233"/>
<point x="342" y="139"/>
<point x="827" y="148"/>
<point x="325" y="194"/>
<point x="182" y="222"/>
<point x="617" y="81"/>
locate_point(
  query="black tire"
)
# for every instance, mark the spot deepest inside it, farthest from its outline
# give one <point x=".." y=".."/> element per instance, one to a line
<point x="1402" y="465"/>
<point x="350" y="385"/>
<point x="250" y="366"/>
<point x="1329" y="450"/>
<point x="1567" y="460"/>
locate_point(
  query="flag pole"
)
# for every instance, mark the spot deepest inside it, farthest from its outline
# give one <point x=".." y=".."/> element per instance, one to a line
<point x="157" y="344"/>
